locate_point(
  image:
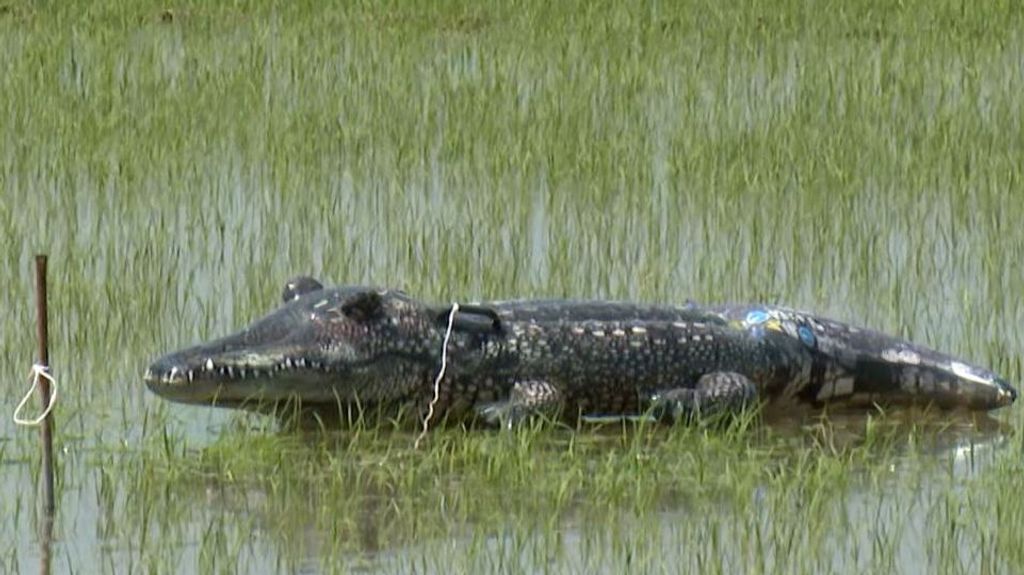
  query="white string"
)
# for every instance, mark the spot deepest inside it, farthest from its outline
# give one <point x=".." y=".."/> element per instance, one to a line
<point x="440" y="376"/>
<point x="38" y="371"/>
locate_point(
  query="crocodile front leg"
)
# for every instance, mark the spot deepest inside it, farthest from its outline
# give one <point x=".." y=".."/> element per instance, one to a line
<point x="527" y="399"/>
<point x="715" y="394"/>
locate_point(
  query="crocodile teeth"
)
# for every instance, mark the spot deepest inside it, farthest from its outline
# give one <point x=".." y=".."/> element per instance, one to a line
<point x="289" y="363"/>
<point x="231" y="372"/>
<point x="208" y="365"/>
<point x="300" y="362"/>
<point x="191" y="375"/>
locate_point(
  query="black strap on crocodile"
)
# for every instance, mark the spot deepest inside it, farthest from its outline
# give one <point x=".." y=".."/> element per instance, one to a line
<point x="472" y="318"/>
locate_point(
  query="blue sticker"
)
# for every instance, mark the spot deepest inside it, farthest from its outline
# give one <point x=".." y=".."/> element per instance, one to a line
<point x="757" y="316"/>
<point x="806" y="335"/>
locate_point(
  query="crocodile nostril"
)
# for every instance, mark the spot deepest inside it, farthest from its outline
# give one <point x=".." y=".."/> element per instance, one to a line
<point x="1007" y="392"/>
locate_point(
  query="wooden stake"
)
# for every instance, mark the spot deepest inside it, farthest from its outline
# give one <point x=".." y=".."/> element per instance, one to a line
<point x="46" y="430"/>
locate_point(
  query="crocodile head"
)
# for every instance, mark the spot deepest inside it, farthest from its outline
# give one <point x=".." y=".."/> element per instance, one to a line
<point x="337" y="346"/>
<point x="850" y="366"/>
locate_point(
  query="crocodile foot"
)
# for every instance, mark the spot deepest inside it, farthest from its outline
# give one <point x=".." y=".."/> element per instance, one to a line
<point x="527" y="400"/>
<point x="714" y="395"/>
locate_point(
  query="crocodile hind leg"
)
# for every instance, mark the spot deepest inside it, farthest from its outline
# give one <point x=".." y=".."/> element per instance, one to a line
<point x="527" y="399"/>
<point x="715" y="394"/>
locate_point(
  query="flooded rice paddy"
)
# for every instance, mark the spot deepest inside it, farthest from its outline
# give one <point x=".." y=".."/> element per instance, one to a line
<point x="179" y="162"/>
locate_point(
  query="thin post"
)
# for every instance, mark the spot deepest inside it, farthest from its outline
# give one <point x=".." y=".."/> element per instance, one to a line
<point x="46" y="431"/>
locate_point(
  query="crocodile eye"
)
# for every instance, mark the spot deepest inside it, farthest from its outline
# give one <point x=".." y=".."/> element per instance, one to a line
<point x="806" y="336"/>
<point x="298" y="287"/>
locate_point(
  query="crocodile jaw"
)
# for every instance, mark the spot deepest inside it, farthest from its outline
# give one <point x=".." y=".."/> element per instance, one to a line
<point x="198" y="376"/>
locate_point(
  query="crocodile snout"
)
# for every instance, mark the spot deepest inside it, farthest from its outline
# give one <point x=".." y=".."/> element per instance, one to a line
<point x="1007" y="393"/>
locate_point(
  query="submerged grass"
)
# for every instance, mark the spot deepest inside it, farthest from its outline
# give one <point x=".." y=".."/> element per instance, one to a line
<point x="541" y="498"/>
<point x="179" y="161"/>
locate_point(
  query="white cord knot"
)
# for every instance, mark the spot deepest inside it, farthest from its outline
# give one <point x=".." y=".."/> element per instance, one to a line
<point x="39" y="371"/>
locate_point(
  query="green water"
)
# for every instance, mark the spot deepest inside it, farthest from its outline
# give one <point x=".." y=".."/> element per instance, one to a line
<point x="179" y="162"/>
